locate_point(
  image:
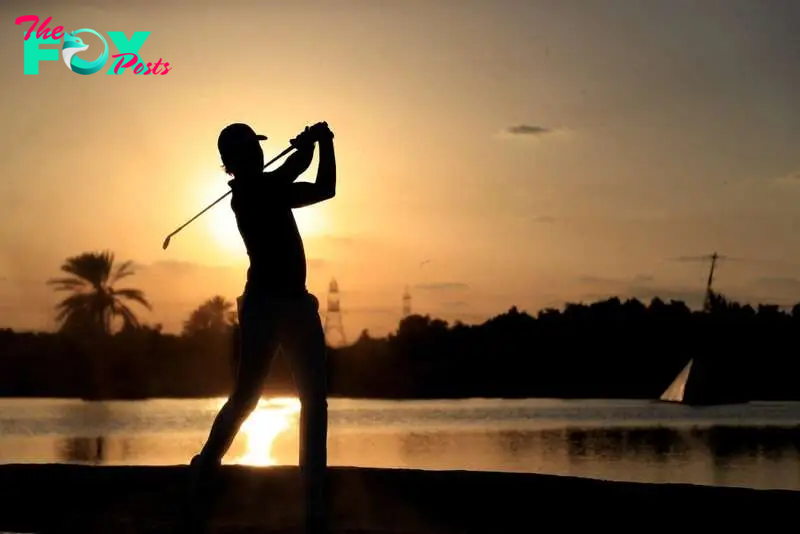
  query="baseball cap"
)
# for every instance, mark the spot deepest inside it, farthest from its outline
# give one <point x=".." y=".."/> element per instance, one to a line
<point x="235" y="136"/>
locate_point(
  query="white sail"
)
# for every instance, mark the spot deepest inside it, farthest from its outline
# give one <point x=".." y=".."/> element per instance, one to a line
<point x="676" y="391"/>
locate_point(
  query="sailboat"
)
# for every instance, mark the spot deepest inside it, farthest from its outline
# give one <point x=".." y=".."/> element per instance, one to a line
<point x="677" y="389"/>
<point x="696" y="385"/>
<point x="707" y="381"/>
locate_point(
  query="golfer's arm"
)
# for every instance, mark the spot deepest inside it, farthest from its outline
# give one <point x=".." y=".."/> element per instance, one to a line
<point x="296" y="164"/>
<point x="326" y="172"/>
<point x="324" y="188"/>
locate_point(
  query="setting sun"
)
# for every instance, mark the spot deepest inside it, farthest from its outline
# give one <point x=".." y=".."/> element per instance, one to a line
<point x="271" y="418"/>
<point x="222" y="226"/>
<point x="310" y="220"/>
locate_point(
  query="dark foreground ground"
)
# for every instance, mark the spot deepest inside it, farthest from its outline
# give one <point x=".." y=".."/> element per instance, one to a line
<point x="122" y="500"/>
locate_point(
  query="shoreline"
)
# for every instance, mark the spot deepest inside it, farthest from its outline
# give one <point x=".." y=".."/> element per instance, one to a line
<point x="61" y="498"/>
<point x="291" y="393"/>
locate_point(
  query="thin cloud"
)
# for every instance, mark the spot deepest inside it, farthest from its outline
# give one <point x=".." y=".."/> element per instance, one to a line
<point x="702" y="258"/>
<point x="691" y="259"/>
<point x="455" y="304"/>
<point x="792" y="179"/>
<point x="779" y="284"/>
<point x="442" y="286"/>
<point x="532" y="132"/>
<point x="369" y="310"/>
<point x="177" y="267"/>
<point x="341" y="240"/>
<point x="544" y="219"/>
<point x="596" y="280"/>
<point x="528" y="129"/>
<point x="169" y="266"/>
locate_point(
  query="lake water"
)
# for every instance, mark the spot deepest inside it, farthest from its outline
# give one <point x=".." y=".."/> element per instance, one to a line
<point x="753" y="445"/>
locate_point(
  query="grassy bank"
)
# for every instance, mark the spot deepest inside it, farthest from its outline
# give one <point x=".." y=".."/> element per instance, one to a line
<point x="79" y="499"/>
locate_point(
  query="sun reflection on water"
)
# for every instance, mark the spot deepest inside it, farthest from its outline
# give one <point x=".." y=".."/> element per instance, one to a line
<point x="269" y="420"/>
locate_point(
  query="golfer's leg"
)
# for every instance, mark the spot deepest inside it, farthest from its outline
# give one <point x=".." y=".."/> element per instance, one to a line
<point x="258" y="345"/>
<point x="303" y="342"/>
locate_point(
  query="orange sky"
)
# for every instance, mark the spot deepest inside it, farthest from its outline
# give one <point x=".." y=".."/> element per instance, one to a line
<point x="654" y="131"/>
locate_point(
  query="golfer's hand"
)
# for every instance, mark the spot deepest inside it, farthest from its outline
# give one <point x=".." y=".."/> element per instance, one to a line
<point x="321" y="132"/>
<point x="304" y="139"/>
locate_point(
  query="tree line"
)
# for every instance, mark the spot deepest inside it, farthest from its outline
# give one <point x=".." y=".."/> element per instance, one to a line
<point x="612" y="348"/>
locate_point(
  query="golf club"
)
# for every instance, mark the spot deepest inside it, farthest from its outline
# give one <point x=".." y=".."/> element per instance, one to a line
<point x="184" y="225"/>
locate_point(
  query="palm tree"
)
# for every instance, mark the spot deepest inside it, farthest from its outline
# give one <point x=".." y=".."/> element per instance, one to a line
<point x="214" y="315"/>
<point x="95" y="302"/>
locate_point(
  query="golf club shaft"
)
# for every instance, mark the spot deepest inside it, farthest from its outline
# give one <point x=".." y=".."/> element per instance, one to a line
<point x="184" y="225"/>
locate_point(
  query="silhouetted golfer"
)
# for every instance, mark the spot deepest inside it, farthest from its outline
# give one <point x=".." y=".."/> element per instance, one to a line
<point x="276" y="310"/>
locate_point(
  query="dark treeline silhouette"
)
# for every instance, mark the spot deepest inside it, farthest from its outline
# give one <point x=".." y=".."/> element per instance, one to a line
<point x="613" y="348"/>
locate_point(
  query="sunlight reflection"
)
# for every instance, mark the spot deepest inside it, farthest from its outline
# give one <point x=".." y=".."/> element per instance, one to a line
<point x="270" y="419"/>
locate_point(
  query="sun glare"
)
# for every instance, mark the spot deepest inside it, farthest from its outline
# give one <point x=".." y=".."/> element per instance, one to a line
<point x="269" y="420"/>
<point x="310" y="220"/>
<point x="222" y="225"/>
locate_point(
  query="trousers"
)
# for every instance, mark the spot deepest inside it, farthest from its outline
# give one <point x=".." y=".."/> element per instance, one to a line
<point x="291" y="324"/>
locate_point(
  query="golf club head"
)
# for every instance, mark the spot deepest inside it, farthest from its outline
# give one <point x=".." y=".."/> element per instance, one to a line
<point x="166" y="242"/>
